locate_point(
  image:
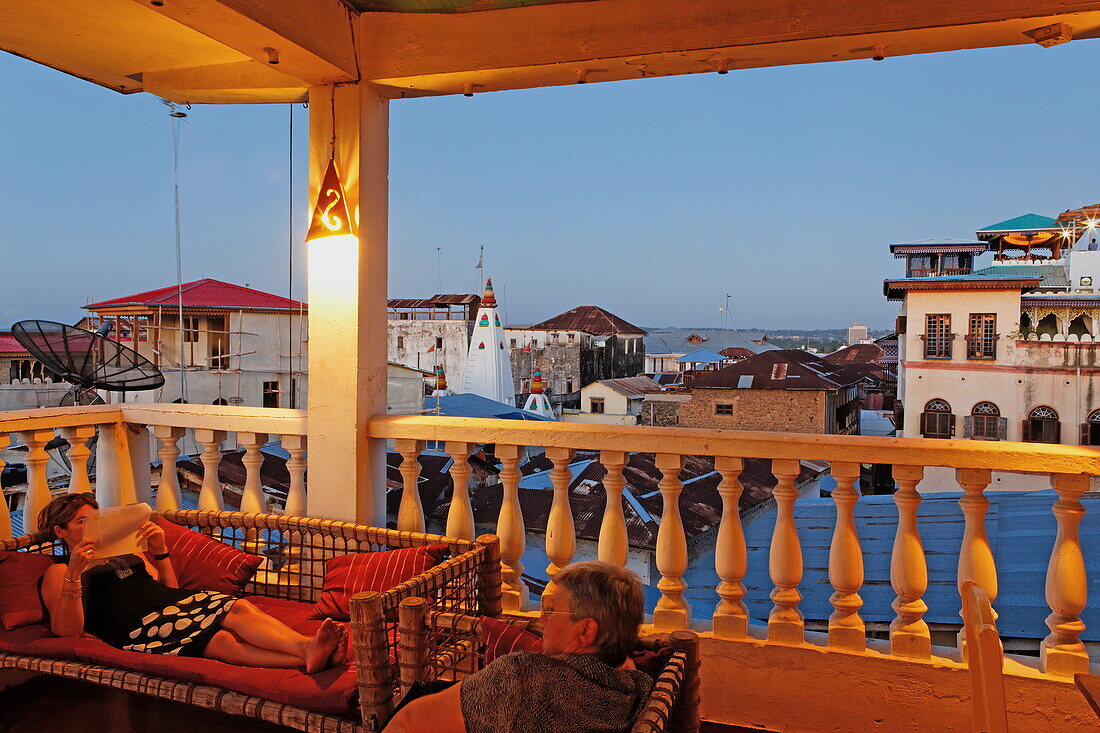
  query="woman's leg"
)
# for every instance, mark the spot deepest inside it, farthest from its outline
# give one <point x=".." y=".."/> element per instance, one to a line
<point x="225" y="647"/>
<point x="258" y="629"/>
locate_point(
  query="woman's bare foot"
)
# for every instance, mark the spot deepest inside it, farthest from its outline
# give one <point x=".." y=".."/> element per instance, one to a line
<point x="321" y="648"/>
<point x="340" y="653"/>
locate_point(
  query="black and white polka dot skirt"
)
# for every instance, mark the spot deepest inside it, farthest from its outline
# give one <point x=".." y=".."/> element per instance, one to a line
<point x="184" y="628"/>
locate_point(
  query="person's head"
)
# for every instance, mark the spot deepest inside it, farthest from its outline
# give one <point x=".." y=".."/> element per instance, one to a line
<point x="65" y="516"/>
<point x="596" y="605"/>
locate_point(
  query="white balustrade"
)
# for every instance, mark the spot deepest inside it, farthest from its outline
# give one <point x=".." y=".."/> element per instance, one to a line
<point x="785" y="622"/>
<point x="511" y="531"/>
<point x="252" y="500"/>
<point x="846" y="628"/>
<point x="460" y="516"/>
<point x="1062" y="652"/>
<point x="561" y="540"/>
<point x="731" y="616"/>
<point x="613" y="542"/>
<point x="210" y="495"/>
<point x="169" y="496"/>
<point x="410" y="513"/>
<point x="672" y="610"/>
<point x="295" y="445"/>
<point x="975" y="556"/>
<point x="5" y="514"/>
<point x="79" y="452"/>
<point x="909" y="635"/>
<point x="38" y="490"/>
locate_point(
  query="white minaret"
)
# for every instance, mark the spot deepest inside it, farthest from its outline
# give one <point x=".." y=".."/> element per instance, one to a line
<point x="536" y="401"/>
<point x="488" y="368"/>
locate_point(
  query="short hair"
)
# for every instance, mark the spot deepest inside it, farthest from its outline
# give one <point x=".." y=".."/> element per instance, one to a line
<point x="61" y="510"/>
<point x="610" y="595"/>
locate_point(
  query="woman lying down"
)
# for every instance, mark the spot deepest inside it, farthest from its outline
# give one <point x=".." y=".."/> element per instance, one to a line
<point x="132" y="603"/>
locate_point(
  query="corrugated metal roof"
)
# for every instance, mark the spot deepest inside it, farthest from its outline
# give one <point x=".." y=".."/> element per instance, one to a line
<point x="439" y="300"/>
<point x="855" y="354"/>
<point x="1021" y="529"/>
<point x="676" y="341"/>
<point x="590" y="319"/>
<point x="632" y="386"/>
<point x="700" y="356"/>
<point x="205" y="293"/>
<point x="8" y="345"/>
<point x="781" y="369"/>
<point x="1023" y="223"/>
<point x="472" y="405"/>
<point x="1051" y="276"/>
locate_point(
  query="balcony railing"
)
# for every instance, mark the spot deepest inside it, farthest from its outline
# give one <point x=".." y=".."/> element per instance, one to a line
<point x="733" y="648"/>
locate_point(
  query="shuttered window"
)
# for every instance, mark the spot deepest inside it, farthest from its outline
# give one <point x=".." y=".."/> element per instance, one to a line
<point x="981" y="341"/>
<point x="937" y="336"/>
<point x="937" y="421"/>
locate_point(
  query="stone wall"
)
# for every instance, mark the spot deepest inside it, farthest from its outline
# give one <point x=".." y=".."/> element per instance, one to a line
<point x="773" y="410"/>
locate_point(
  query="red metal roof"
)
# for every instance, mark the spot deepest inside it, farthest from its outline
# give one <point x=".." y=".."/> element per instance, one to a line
<point x="856" y="354"/>
<point x="205" y="293"/>
<point x="439" y="300"/>
<point x="632" y="386"/>
<point x="8" y="345"/>
<point x="590" y="319"/>
<point x="780" y="369"/>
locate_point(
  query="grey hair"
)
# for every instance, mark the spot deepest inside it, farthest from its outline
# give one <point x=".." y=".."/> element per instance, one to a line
<point x="611" y="596"/>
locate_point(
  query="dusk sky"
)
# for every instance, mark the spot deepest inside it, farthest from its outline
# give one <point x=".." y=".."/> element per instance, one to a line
<point x="653" y="199"/>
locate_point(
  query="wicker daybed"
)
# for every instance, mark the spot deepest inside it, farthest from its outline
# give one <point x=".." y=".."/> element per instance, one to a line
<point x="296" y="550"/>
<point x="440" y="646"/>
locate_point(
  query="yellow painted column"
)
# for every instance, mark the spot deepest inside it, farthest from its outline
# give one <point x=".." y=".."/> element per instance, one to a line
<point x="347" y="308"/>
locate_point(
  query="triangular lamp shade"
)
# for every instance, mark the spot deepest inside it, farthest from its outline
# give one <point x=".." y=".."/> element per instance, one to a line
<point x="330" y="216"/>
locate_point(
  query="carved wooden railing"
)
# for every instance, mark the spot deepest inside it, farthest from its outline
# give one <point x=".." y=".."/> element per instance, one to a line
<point x="1069" y="468"/>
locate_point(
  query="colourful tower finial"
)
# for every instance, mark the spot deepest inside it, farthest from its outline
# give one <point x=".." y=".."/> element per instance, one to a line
<point x="440" y="378"/>
<point x="489" y="300"/>
<point x="536" y="382"/>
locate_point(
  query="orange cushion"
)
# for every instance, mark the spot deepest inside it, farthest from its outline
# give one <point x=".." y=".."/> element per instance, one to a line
<point x="347" y="575"/>
<point x="205" y="564"/>
<point x="20" y="575"/>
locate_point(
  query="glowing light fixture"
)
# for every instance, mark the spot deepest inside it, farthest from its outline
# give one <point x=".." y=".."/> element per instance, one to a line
<point x="330" y="215"/>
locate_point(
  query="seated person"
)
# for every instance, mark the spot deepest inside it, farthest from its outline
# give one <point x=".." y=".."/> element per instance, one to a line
<point x="132" y="602"/>
<point x="581" y="682"/>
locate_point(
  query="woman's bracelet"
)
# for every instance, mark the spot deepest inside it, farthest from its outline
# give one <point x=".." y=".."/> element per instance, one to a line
<point x="71" y="580"/>
<point x="162" y="555"/>
<point x="71" y="593"/>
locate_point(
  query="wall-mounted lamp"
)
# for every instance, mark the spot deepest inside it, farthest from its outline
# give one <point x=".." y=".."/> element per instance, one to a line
<point x="330" y="215"/>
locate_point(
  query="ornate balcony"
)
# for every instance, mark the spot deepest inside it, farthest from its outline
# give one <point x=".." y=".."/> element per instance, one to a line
<point x="776" y="676"/>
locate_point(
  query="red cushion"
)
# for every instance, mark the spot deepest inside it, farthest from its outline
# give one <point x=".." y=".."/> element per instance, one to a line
<point x="20" y="602"/>
<point x="500" y="638"/>
<point x="332" y="691"/>
<point x="347" y="575"/>
<point x="205" y="564"/>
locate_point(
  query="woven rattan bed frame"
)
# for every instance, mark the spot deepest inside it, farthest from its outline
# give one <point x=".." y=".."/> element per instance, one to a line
<point x="296" y="549"/>
<point x="442" y="646"/>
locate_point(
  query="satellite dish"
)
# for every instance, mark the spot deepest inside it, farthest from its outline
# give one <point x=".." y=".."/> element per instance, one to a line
<point x="87" y="359"/>
<point x="79" y="396"/>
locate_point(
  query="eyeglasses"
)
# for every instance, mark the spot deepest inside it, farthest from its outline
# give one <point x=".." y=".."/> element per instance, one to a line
<point x="545" y="613"/>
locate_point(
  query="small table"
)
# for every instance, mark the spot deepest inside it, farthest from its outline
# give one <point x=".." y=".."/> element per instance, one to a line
<point x="1089" y="684"/>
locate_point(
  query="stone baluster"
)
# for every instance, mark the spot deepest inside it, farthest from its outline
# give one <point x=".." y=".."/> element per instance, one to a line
<point x="168" y="491"/>
<point x="672" y="610"/>
<point x="460" y="517"/>
<point x="1062" y="652"/>
<point x="5" y="514"/>
<point x="295" y="445"/>
<point x="731" y="616"/>
<point x="79" y="451"/>
<point x="253" y="499"/>
<point x="613" y="540"/>
<point x="785" y="622"/>
<point x="909" y="636"/>
<point x="410" y="513"/>
<point x="511" y="531"/>
<point x="38" y="490"/>
<point x="846" y="628"/>
<point x="975" y="556"/>
<point x="210" y="496"/>
<point x="561" y="541"/>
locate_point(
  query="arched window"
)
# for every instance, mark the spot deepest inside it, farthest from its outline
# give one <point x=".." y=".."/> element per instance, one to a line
<point x="937" y="421"/>
<point x="1090" y="430"/>
<point x="1042" y="426"/>
<point x="985" y="423"/>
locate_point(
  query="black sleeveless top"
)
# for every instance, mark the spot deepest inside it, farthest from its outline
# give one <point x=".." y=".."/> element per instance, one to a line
<point x="119" y="594"/>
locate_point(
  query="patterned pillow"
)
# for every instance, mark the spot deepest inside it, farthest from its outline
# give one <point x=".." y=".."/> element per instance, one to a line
<point x="20" y="574"/>
<point x="205" y="564"/>
<point x="347" y="575"/>
<point x="500" y="638"/>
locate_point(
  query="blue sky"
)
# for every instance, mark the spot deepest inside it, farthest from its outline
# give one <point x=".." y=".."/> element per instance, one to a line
<point x="654" y="198"/>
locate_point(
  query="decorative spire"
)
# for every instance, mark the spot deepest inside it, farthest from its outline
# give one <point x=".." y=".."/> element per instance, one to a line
<point x="536" y="382"/>
<point x="440" y="378"/>
<point x="489" y="300"/>
<point x="537" y="402"/>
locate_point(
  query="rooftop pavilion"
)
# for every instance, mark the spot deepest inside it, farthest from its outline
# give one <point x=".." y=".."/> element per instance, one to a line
<point x="351" y="61"/>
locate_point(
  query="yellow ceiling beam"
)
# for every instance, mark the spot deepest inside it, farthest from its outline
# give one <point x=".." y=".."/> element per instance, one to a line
<point x="608" y="40"/>
<point x="234" y="83"/>
<point x="308" y="40"/>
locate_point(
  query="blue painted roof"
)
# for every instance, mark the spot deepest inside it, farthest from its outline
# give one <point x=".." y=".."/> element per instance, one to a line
<point x="1021" y="530"/>
<point x="17" y="523"/>
<point x="700" y="356"/>
<point x="472" y="405"/>
<point x="1052" y="276"/>
<point x="1024" y="223"/>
